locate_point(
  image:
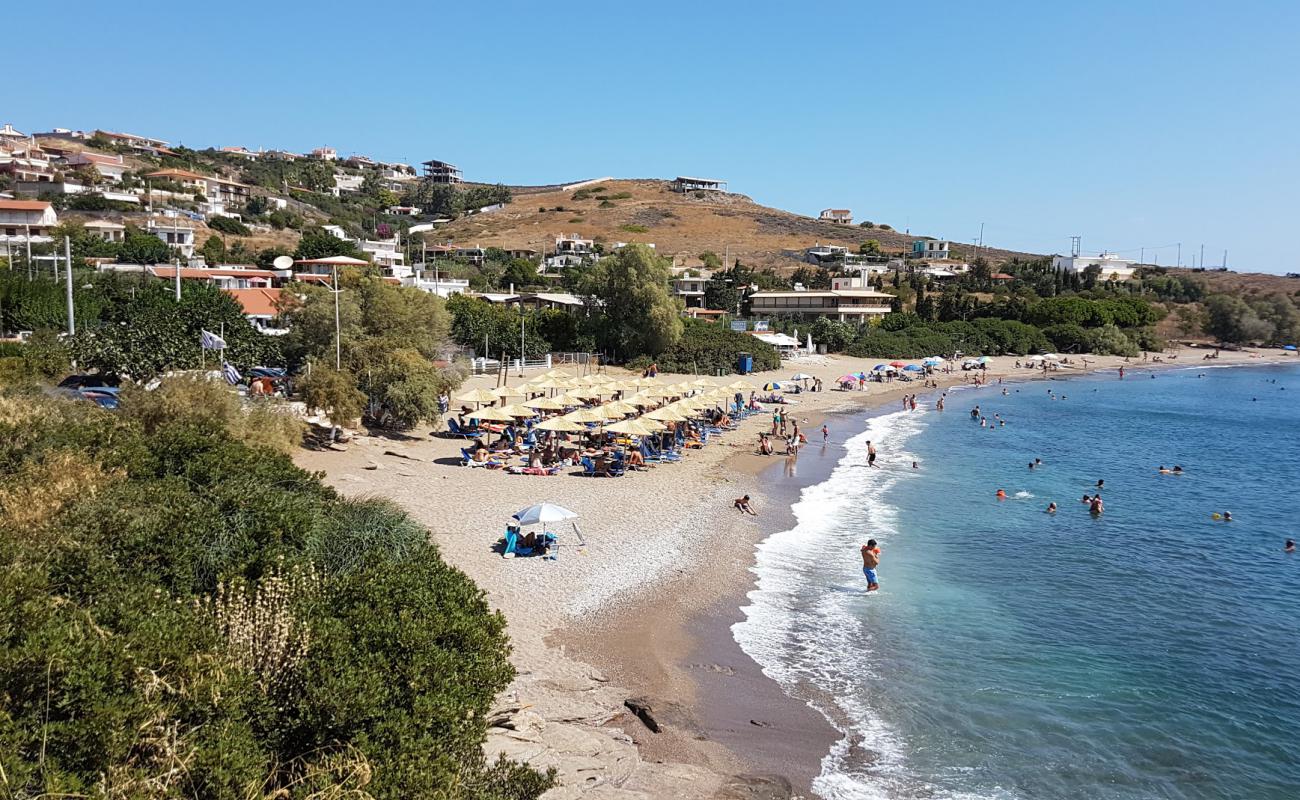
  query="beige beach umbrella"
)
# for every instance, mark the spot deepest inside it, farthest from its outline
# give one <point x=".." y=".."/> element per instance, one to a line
<point x="641" y="400"/>
<point x="632" y="427"/>
<point x="620" y="407"/>
<point x="606" y="413"/>
<point x="584" y="415"/>
<point x="704" y="383"/>
<point x="586" y="393"/>
<point x="544" y="404"/>
<point x="741" y="386"/>
<point x="492" y="415"/>
<point x="518" y="411"/>
<point x="644" y="382"/>
<point x="557" y="373"/>
<point x="653" y="425"/>
<point x="559" y="424"/>
<point x="666" y="414"/>
<point x="658" y="392"/>
<point x="477" y="396"/>
<point x="507" y="391"/>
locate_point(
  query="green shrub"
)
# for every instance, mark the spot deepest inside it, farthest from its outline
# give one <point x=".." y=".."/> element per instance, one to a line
<point x="139" y="559"/>
<point x="708" y="348"/>
<point x="228" y="225"/>
<point x="605" y="204"/>
<point x="635" y="228"/>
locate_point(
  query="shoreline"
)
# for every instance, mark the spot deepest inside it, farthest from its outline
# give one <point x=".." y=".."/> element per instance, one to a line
<point x="645" y="609"/>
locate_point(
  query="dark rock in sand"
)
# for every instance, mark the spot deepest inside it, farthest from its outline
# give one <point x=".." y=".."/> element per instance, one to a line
<point x="641" y="707"/>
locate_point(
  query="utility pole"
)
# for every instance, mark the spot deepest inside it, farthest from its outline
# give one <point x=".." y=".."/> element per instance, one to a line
<point x="1202" y="256"/>
<point x="1142" y="259"/>
<point x="1180" y="254"/>
<point x="338" y="330"/>
<point x="178" y="280"/>
<point x="1225" y="260"/>
<point x="27" y="234"/>
<point x="67" y="254"/>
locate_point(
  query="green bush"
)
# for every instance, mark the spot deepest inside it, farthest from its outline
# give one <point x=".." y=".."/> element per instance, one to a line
<point x="708" y="348"/>
<point x="228" y="225"/>
<point x="136" y="564"/>
<point x="635" y="228"/>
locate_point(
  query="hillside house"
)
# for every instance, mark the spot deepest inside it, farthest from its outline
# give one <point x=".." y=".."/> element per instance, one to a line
<point x="144" y="144"/>
<point x="931" y="249"/>
<point x="441" y="172"/>
<point x="396" y="171"/>
<point x="1111" y="266"/>
<point x="683" y="183"/>
<point x="11" y="136"/>
<point x="526" y="253"/>
<point x="473" y="254"/>
<point x="403" y="211"/>
<point x="23" y="221"/>
<point x="324" y="154"/>
<point x="109" y="167"/>
<point x="346" y="182"/>
<point x="26" y="163"/>
<point x="108" y="231"/>
<point x="845" y="305"/>
<point x="174" y="235"/>
<point x="690" y="288"/>
<point x="838" y="216"/>
<point x="216" y="189"/>
<point x="443" y="287"/>
<point x="242" y="152"/>
<point x="387" y="255"/>
<point x="819" y="253"/>
<point x="573" y="245"/>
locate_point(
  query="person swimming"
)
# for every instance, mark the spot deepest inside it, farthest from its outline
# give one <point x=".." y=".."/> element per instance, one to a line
<point x="1002" y="494"/>
<point x="1227" y="516"/>
<point x="1087" y="498"/>
<point x="1101" y="484"/>
<point x="1289" y="547"/>
<point x="1178" y="470"/>
<point x="1165" y="470"/>
<point x="1051" y="508"/>
<point x="1096" y="507"/>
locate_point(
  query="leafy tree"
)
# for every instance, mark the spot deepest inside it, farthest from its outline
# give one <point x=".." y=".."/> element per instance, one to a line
<point x="316" y="243"/>
<point x="720" y="293"/>
<point x="228" y="225"/>
<point x="711" y="260"/>
<point x="333" y="391"/>
<point x="710" y="348"/>
<point x="213" y="250"/>
<point x="1230" y="319"/>
<point x="834" y="334"/>
<point x="142" y="247"/>
<point x="142" y="336"/>
<point x="641" y="315"/>
<point x="870" y="247"/>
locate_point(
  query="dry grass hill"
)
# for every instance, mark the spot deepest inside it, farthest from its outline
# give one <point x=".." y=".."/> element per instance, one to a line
<point x="681" y="226"/>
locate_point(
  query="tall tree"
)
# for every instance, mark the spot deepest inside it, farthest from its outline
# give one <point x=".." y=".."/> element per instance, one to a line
<point x="641" y="314"/>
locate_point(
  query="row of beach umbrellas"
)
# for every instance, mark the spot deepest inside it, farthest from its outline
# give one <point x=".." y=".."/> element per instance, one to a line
<point x="692" y="396"/>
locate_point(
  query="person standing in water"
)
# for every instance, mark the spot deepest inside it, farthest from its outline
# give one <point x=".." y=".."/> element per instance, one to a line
<point x="871" y="454"/>
<point x="871" y="560"/>
<point x="826" y="433"/>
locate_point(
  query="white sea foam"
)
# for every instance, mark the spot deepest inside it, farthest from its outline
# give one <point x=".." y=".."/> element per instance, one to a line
<point x="810" y="635"/>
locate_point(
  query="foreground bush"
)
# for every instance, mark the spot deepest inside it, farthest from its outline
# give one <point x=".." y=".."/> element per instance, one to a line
<point x="185" y="615"/>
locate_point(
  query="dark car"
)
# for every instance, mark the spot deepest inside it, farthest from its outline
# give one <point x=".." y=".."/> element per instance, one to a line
<point x="77" y="382"/>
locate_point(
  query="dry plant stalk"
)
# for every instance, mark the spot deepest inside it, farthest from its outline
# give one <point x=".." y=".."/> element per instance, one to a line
<point x="261" y="627"/>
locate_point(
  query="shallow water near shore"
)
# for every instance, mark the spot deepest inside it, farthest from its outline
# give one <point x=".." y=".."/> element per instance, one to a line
<point x="1148" y="652"/>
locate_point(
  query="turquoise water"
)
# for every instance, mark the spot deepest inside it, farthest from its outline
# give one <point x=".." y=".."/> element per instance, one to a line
<point x="1151" y="652"/>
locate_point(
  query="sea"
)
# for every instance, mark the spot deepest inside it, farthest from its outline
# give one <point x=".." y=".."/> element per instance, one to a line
<point x="1152" y="651"/>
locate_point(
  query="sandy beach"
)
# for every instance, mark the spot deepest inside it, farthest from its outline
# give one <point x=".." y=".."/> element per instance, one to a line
<point x="643" y="609"/>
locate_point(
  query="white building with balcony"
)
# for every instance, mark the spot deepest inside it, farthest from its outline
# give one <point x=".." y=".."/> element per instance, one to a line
<point x="845" y="305"/>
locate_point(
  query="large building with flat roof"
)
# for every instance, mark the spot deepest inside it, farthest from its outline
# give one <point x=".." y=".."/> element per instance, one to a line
<point x="845" y="305"/>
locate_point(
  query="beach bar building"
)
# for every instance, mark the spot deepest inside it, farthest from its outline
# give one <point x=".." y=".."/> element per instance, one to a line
<point x="844" y="305"/>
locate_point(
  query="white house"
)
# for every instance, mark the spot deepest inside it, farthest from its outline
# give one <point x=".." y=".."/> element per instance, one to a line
<point x="443" y="287"/>
<point x="108" y="231"/>
<point x="690" y="288"/>
<point x="838" y="216"/>
<point x="387" y="255"/>
<point x="174" y="236"/>
<point x="24" y="220"/>
<point x="931" y="249"/>
<point x="1113" y="268"/>
<point x="343" y="182"/>
<point x="573" y="245"/>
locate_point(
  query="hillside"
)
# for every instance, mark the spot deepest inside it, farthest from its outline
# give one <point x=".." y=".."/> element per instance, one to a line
<point x="680" y="225"/>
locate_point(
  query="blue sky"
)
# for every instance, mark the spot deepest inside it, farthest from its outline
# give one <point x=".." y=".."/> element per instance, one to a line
<point x="1129" y="123"/>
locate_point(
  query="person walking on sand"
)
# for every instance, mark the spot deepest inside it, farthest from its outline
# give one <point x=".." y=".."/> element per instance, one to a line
<point x="871" y="454"/>
<point x="871" y="560"/>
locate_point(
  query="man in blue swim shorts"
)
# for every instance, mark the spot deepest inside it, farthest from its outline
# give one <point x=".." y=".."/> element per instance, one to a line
<point x="870" y="560"/>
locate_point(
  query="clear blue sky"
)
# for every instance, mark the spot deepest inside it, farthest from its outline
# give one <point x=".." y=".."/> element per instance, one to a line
<point x="1129" y="123"/>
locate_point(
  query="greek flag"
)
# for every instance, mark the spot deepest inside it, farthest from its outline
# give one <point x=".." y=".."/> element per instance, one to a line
<point x="232" y="375"/>
<point x="210" y="341"/>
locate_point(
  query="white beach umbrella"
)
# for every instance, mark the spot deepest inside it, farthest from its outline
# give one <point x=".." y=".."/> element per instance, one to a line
<point x="507" y="391"/>
<point x="544" y="404"/>
<point x="542" y="513"/>
<point x="491" y="415"/>
<point x="477" y="396"/>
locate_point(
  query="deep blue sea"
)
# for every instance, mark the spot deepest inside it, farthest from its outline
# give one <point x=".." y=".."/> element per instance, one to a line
<point x="1151" y="652"/>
